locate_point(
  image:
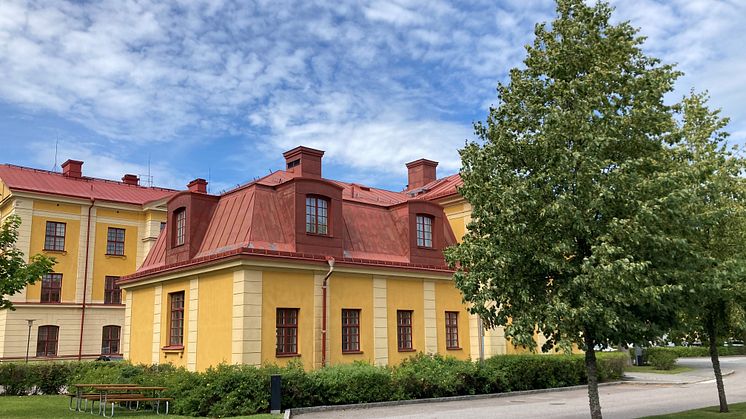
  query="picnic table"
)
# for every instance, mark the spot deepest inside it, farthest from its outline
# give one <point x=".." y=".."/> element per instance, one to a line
<point x="114" y="394"/>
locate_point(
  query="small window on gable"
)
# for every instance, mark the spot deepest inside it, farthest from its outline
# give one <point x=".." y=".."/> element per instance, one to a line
<point x="317" y="221"/>
<point x="180" y="223"/>
<point x="293" y="163"/>
<point x="424" y="231"/>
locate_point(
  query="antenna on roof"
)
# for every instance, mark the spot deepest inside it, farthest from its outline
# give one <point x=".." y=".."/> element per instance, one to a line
<point x="54" y="167"/>
<point x="148" y="179"/>
<point x="208" y="179"/>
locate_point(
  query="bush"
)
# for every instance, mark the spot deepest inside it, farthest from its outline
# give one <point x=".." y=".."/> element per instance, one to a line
<point x="661" y="358"/>
<point x="425" y="376"/>
<point x="358" y="382"/>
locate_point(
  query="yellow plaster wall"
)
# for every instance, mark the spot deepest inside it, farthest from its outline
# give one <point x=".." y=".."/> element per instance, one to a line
<point x="72" y="209"/>
<point x="141" y="329"/>
<point x="402" y="294"/>
<point x="350" y="292"/>
<point x="448" y="298"/>
<point x="67" y="261"/>
<point x="118" y="214"/>
<point x="110" y="265"/>
<point x="458" y="215"/>
<point x="214" y="319"/>
<point x="288" y="290"/>
<point x="176" y="358"/>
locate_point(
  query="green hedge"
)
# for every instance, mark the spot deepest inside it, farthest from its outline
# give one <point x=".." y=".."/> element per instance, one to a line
<point x="231" y="390"/>
<point x="661" y="358"/>
<point x="692" y="351"/>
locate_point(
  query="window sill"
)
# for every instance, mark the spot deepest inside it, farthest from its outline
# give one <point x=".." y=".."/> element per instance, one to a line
<point x="407" y="350"/>
<point x="109" y="255"/>
<point x="456" y="348"/>
<point x="173" y="348"/>
<point x="50" y="302"/>
<point x="426" y="247"/>
<point x="318" y="234"/>
<point x="287" y="355"/>
<point x="58" y="252"/>
<point x="352" y="352"/>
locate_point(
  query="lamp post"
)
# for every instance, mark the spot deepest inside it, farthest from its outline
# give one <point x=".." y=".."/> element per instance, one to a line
<point x="28" y="341"/>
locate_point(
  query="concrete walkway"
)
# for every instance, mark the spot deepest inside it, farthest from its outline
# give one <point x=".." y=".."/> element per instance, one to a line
<point x="702" y="372"/>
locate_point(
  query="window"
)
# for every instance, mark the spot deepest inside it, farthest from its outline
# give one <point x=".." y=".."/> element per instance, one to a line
<point x="110" y="340"/>
<point x="112" y="293"/>
<point x="176" y="323"/>
<point x="180" y="227"/>
<point x="350" y="330"/>
<point x="46" y="341"/>
<point x="404" y="330"/>
<point x="115" y="241"/>
<point x="55" y="236"/>
<point x="316" y="215"/>
<point x="287" y="331"/>
<point x="424" y="231"/>
<point x="51" y="288"/>
<point x="452" y="330"/>
<point x="163" y="225"/>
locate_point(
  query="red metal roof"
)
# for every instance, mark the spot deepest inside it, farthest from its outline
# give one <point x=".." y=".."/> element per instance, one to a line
<point x="441" y="188"/>
<point x="19" y="178"/>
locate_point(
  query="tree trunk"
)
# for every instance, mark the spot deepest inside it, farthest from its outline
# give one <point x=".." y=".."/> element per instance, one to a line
<point x="712" y="335"/>
<point x="590" y="368"/>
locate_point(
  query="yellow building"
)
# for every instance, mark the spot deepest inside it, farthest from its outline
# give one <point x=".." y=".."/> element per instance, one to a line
<point x="295" y="266"/>
<point x="97" y="230"/>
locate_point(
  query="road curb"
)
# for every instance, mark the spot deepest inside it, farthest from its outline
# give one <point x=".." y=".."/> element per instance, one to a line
<point x="301" y="410"/>
<point x="653" y="382"/>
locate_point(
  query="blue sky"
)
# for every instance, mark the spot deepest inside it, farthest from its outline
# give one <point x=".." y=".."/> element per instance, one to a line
<point x="219" y="89"/>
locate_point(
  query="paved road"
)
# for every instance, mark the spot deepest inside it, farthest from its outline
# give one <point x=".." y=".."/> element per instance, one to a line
<point x="627" y="400"/>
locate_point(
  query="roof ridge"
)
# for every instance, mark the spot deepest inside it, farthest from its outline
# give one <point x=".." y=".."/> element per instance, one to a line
<point x="86" y="178"/>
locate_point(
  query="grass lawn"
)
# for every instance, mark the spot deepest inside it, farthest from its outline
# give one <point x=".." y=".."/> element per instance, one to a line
<point x="736" y="410"/>
<point x="649" y="368"/>
<point x="53" y="407"/>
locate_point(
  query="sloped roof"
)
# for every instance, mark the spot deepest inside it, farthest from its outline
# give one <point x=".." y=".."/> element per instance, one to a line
<point x="19" y="178"/>
<point x="441" y="188"/>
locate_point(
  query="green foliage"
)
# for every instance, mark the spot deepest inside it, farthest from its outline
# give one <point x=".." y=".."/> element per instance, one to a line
<point x="229" y="390"/>
<point x="661" y="359"/>
<point x="15" y="273"/>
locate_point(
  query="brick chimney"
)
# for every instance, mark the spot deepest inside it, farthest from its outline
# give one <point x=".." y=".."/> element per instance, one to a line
<point x="420" y="173"/>
<point x="198" y="185"/>
<point x="304" y="161"/>
<point x="131" y="179"/>
<point x="73" y="168"/>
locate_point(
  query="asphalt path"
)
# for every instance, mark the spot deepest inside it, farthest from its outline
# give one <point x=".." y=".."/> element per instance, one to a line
<point x="624" y="400"/>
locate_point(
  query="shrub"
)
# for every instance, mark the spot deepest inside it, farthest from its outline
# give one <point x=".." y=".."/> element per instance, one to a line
<point x="425" y="376"/>
<point x="358" y="382"/>
<point x="661" y="358"/>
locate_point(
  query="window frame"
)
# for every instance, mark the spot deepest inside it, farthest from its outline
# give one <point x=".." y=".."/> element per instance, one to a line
<point x="180" y="227"/>
<point x="404" y="322"/>
<point x="48" y="289"/>
<point x="451" y="323"/>
<point x="115" y="246"/>
<point x="286" y="331"/>
<point x="313" y="220"/>
<point x="110" y="292"/>
<point x="350" y="330"/>
<point x="424" y="230"/>
<point x="55" y="237"/>
<point x="176" y="305"/>
<point x="46" y="342"/>
<point x="107" y="340"/>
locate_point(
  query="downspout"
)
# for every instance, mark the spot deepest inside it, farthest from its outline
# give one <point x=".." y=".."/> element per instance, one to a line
<point x="329" y="260"/>
<point x="85" y="277"/>
<point x="480" y="335"/>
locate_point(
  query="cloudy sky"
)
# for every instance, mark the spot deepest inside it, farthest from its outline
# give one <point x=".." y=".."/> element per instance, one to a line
<point x="219" y="89"/>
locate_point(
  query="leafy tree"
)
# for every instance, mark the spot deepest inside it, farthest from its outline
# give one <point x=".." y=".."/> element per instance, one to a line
<point x="573" y="191"/>
<point x="15" y="273"/>
<point x="715" y="291"/>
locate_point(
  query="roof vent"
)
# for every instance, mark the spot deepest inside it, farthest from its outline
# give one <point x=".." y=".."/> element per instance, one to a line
<point x="420" y="173"/>
<point x="73" y="168"/>
<point x="304" y="161"/>
<point x="198" y="185"/>
<point x="131" y="179"/>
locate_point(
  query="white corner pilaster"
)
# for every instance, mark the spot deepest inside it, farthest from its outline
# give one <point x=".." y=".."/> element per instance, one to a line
<point x="157" y="325"/>
<point x="380" y="321"/>
<point x="431" y="329"/>
<point x="192" y="324"/>
<point x="247" y="317"/>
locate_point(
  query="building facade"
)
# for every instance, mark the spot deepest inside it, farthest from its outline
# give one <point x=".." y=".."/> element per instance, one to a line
<point x="98" y="231"/>
<point x="295" y="266"/>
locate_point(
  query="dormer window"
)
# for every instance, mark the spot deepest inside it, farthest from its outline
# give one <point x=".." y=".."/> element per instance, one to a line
<point x="317" y="221"/>
<point x="424" y="231"/>
<point x="180" y="232"/>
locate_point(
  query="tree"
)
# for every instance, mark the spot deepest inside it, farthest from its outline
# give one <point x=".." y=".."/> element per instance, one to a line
<point x="574" y="204"/>
<point x="15" y="273"/>
<point x="715" y="292"/>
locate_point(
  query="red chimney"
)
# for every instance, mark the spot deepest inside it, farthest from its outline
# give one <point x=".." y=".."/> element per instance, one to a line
<point x="420" y="173"/>
<point x="304" y="161"/>
<point x="198" y="185"/>
<point x="131" y="179"/>
<point x="72" y="168"/>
